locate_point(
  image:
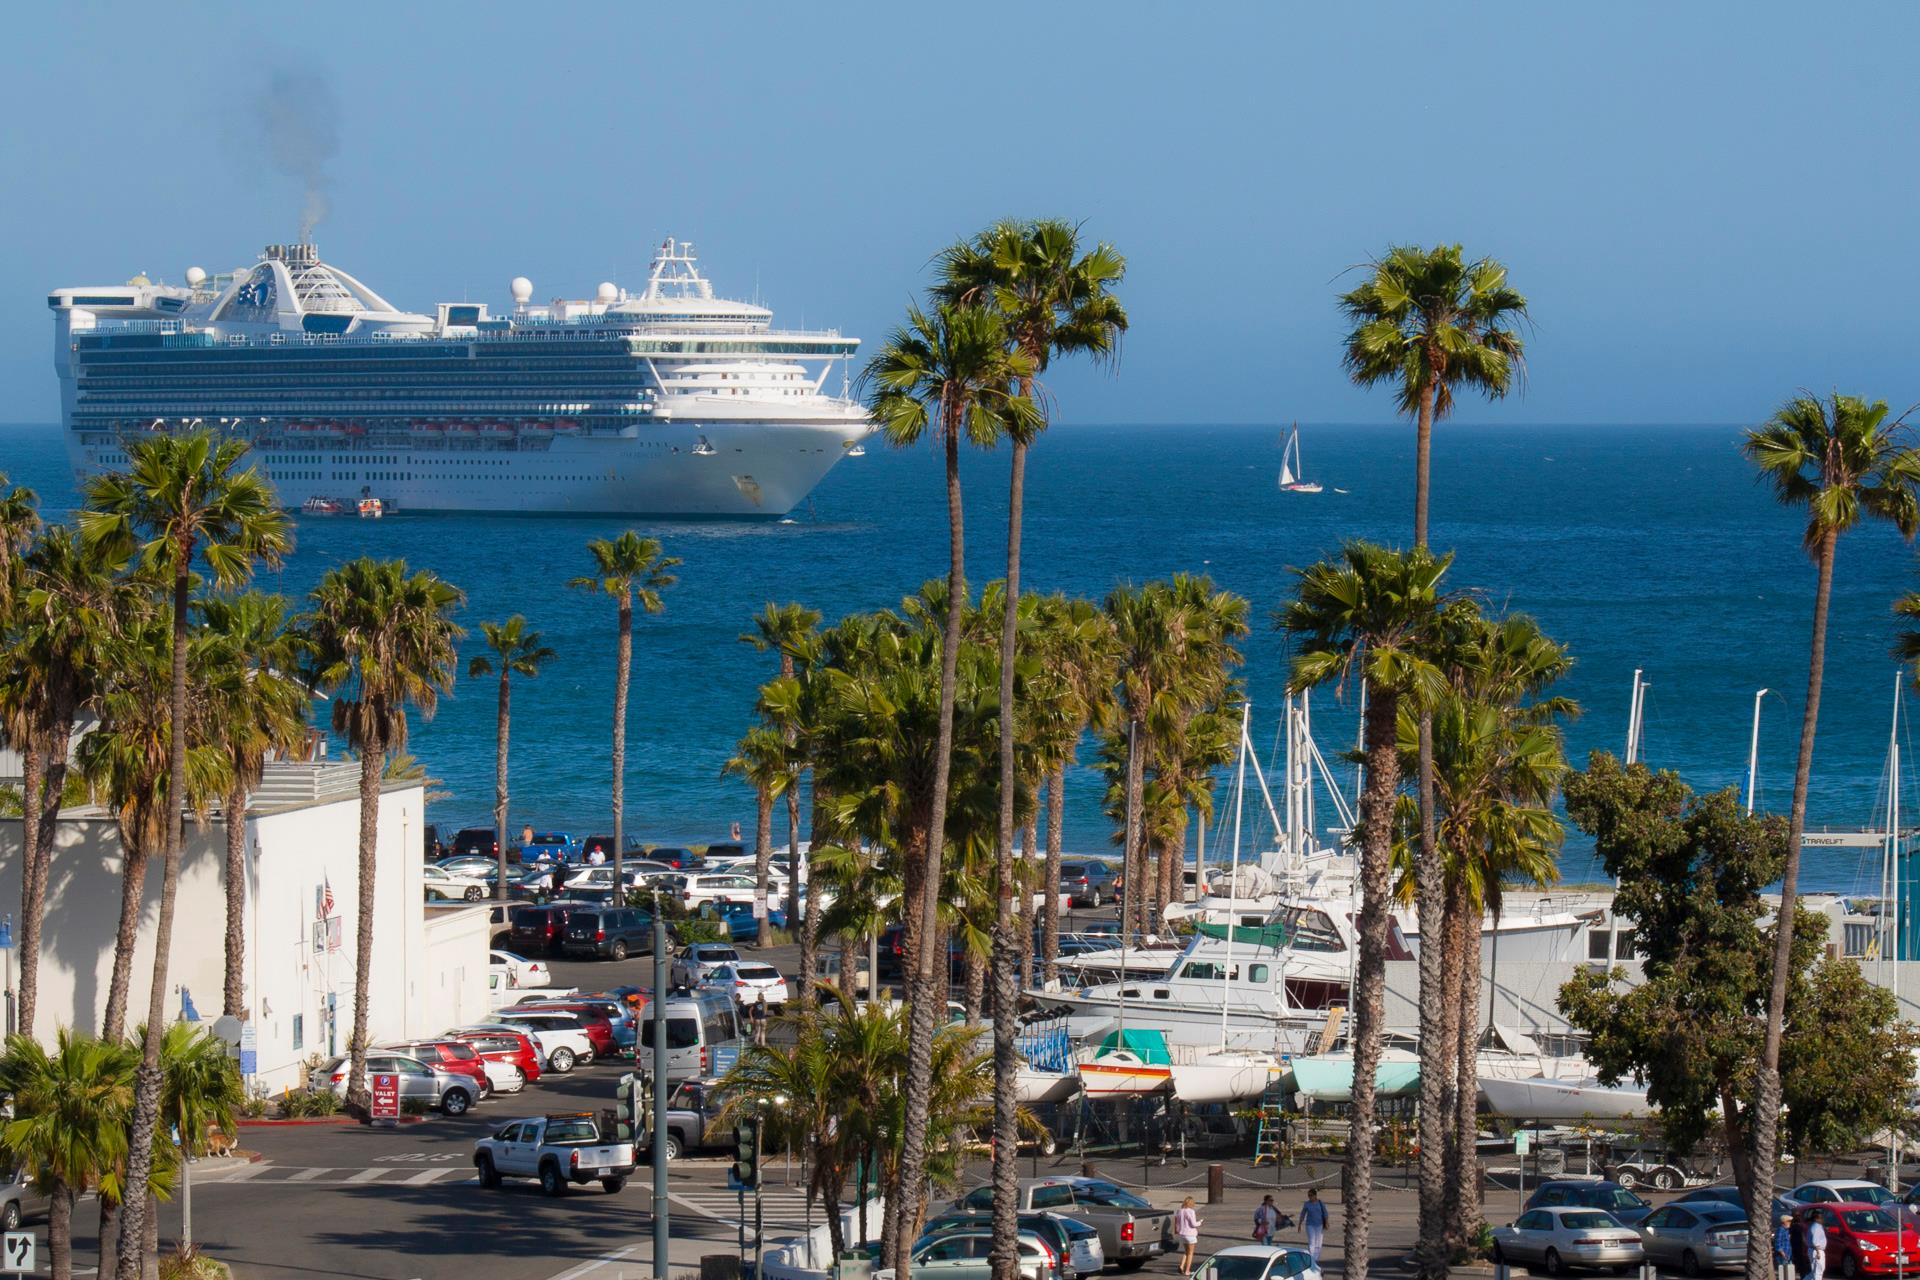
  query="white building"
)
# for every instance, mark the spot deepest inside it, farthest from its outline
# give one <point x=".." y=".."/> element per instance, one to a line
<point x="429" y="966"/>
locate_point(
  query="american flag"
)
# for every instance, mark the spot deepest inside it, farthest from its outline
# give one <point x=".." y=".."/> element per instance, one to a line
<point x="326" y="897"/>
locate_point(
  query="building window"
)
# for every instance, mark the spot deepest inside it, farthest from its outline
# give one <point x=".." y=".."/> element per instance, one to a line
<point x="1597" y="943"/>
<point x="299" y="1030"/>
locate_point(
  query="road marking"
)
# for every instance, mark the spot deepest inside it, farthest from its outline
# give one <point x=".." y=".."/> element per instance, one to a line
<point x="588" y="1268"/>
<point x="367" y="1175"/>
<point x="243" y="1173"/>
<point x="308" y="1175"/>
<point x="422" y="1178"/>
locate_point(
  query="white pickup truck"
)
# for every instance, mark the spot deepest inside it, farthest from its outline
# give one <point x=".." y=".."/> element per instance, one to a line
<point x="556" y="1149"/>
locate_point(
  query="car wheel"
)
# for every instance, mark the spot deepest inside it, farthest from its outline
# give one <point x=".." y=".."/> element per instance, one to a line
<point x="475" y="893"/>
<point x="489" y="1176"/>
<point x="1093" y="900"/>
<point x="486" y="1090"/>
<point x="1665" y="1179"/>
<point x="1627" y="1176"/>
<point x="619" y="950"/>
<point x="1849" y="1265"/>
<point x="1499" y="1254"/>
<point x="1689" y="1264"/>
<point x="1552" y="1263"/>
<point x="10" y="1219"/>
<point x="550" y="1180"/>
<point x="456" y="1101"/>
<point x="612" y="1185"/>
<point x="673" y="1147"/>
<point x="1047" y="1145"/>
<point x="561" y="1060"/>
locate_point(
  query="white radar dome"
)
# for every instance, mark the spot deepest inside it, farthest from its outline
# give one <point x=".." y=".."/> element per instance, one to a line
<point x="522" y="289"/>
<point x="196" y="277"/>
<point x="607" y="292"/>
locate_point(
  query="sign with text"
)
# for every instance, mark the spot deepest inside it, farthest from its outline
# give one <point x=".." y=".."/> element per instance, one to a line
<point x="386" y="1097"/>
<point x="249" y="1049"/>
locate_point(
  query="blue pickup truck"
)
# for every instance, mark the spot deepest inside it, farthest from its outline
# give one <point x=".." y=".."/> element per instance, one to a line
<point x="553" y="846"/>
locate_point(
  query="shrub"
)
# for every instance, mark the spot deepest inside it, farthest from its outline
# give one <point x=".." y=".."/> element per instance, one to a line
<point x="306" y="1104"/>
<point x="415" y="1106"/>
<point x="693" y="930"/>
<point x="254" y="1106"/>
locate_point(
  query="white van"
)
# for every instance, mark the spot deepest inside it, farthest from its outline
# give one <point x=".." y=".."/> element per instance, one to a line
<point x="697" y="1026"/>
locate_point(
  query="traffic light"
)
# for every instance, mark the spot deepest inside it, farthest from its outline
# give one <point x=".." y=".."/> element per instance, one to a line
<point x="632" y="1099"/>
<point x="746" y="1152"/>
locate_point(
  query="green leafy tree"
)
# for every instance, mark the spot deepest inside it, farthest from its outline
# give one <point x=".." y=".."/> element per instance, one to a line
<point x="1374" y="612"/>
<point x="1843" y="461"/>
<point x="631" y="570"/>
<point x="1691" y="870"/>
<point x="69" y="1122"/>
<point x="516" y="652"/>
<point x="950" y="373"/>
<point x="381" y="640"/>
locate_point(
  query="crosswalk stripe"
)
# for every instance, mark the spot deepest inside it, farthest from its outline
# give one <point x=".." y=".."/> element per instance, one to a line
<point x="425" y="1176"/>
<point x="245" y="1172"/>
<point x="370" y="1175"/>
<point x="308" y="1175"/>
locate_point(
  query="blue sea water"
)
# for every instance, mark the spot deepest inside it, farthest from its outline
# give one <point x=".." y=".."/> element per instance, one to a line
<point x="1647" y="547"/>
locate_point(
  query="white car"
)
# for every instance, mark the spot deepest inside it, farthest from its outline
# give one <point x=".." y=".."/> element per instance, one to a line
<point x="561" y="1047"/>
<point x="730" y="886"/>
<point x="1258" y="1262"/>
<point x="1567" y="1235"/>
<point x="518" y="970"/>
<point x="446" y="887"/>
<point x="695" y="961"/>
<point x="1835" y="1190"/>
<point x="747" y="981"/>
<point x="504" y="1076"/>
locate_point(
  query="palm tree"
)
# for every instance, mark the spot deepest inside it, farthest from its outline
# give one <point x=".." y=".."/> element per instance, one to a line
<point x="1373" y="611"/>
<point x="764" y="760"/>
<point x="790" y="631"/>
<point x="1077" y="670"/>
<point x="518" y="651"/>
<point x="631" y="569"/>
<point x="19" y="522"/>
<point x="262" y="709"/>
<point x="1843" y="461"/>
<point x="949" y="372"/>
<point x="69" y="1123"/>
<point x="1427" y="322"/>
<point x="184" y="497"/>
<point x="70" y="605"/>
<point x="381" y="640"/>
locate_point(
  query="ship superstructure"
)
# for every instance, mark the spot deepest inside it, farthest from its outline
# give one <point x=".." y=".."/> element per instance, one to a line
<point x="666" y="402"/>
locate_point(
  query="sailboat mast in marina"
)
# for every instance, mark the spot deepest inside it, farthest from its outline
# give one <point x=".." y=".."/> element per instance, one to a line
<point x="1292" y="475"/>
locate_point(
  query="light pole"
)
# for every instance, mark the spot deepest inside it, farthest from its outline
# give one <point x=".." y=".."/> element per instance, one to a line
<point x="659" y="1016"/>
<point x="1753" y="750"/>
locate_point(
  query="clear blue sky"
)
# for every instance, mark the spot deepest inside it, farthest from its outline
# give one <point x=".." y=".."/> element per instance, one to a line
<point x="1710" y="205"/>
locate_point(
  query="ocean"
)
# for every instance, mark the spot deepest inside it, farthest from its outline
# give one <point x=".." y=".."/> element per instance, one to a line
<point x="1648" y="547"/>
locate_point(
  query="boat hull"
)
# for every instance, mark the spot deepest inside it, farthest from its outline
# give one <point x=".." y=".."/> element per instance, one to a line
<point x="1541" y="1098"/>
<point x="1329" y="1077"/>
<point x="1224" y="1077"/>
<point x="1031" y="1085"/>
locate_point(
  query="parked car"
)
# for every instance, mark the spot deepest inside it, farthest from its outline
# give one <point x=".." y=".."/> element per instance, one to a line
<point x="1862" y="1238"/>
<point x="674" y="856"/>
<point x="553" y="846"/>
<point x="521" y="971"/>
<point x="738" y="917"/>
<point x="609" y="933"/>
<point x="698" y="1027"/>
<point x="606" y="1024"/>
<point x="748" y="982"/>
<point x="443" y="886"/>
<point x="563" y="1045"/>
<point x="474" y="840"/>
<point x="715" y="886"/>
<point x="1834" y="1190"/>
<point x="962" y="1255"/>
<point x="604" y="845"/>
<point x="1086" y="883"/>
<point x="697" y="959"/>
<point x="558" y="1150"/>
<point x="720" y="850"/>
<point x="1727" y="1193"/>
<point x="450" y="1091"/>
<point x="542" y="929"/>
<point x="1259" y="1262"/>
<point x="1069" y="1238"/>
<point x="20" y="1199"/>
<point x="597" y="1030"/>
<point x="693" y="1119"/>
<point x="512" y="1047"/>
<point x="432" y="847"/>
<point x="456" y="1056"/>
<point x="1627" y="1208"/>
<point x="468" y="864"/>
<point x="1567" y="1235"/>
<point x="1131" y="1229"/>
<point x="1701" y="1236"/>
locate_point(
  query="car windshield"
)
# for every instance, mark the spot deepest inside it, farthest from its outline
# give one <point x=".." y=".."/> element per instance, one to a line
<point x="758" y="972"/>
<point x="1868" y="1220"/>
<point x="1587" y="1221"/>
<point x="1617" y="1198"/>
<point x="1866" y="1193"/>
<point x="1237" y="1266"/>
<point x="1106" y="1193"/>
<point x="717" y="955"/>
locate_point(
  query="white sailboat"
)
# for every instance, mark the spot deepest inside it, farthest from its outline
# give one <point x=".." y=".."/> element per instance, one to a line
<point x="1292" y="473"/>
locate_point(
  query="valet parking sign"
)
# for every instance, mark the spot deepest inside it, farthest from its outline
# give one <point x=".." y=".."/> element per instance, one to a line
<point x="386" y="1099"/>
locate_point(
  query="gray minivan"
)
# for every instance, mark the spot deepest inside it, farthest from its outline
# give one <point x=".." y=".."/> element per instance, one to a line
<point x="19" y="1198"/>
<point x="697" y="1025"/>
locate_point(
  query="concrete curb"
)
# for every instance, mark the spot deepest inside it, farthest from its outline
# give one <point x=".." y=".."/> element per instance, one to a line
<point x="265" y="1123"/>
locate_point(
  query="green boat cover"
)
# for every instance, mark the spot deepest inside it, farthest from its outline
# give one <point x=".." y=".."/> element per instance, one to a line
<point x="1265" y="935"/>
<point x="1144" y="1043"/>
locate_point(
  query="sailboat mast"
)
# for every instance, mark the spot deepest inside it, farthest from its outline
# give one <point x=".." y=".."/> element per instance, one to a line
<point x="1239" y="794"/>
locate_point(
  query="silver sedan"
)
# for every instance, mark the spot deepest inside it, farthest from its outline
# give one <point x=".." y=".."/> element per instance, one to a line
<point x="1702" y="1235"/>
<point x="1561" y="1237"/>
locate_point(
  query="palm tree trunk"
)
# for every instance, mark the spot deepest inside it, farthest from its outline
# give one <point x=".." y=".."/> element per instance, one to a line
<point x="233" y="993"/>
<point x="1422" y="458"/>
<point x="1376" y="851"/>
<point x="501" y="726"/>
<point x="762" y="857"/>
<point x="1134" y="863"/>
<point x="373" y="754"/>
<point x="910" y="1186"/>
<point x="59" y="733"/>
<point x="623" y="671"/>
<point x="1455" y="999"/>
<point x="109" y="1237"/>
<point x="133" y="901"/>
<point x="150" y="1240"/>
<point x="60" y="1232"/>
<point x="1023" y="925"/>
<point x="33" y="889"/>
<point x="808" y="908"/>
<point x="1005" y="1253"/>
<point x="793" y="854"/>
<point x="146" y="1079"/>
<point x="975" y="997"/>
<point x="1463" y="1175"/>
<point x="1766" y="1107"/>
<point x="1050" y="911"/>
<point x="1438" y="1043"/>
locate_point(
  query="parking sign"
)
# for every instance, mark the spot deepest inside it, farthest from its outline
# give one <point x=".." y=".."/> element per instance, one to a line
<point x="386" y="1097"/>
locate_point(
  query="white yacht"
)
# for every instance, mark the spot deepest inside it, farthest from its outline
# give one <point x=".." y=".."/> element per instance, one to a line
<point x="670" y="401"/>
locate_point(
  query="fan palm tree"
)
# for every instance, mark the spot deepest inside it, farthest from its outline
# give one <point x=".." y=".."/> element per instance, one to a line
<point x="789" y="630"/>
<point x="1077" y="670"/>
<point x="380" y="640"/>
<point x="261" y="710"/>
<point x="949" y="373"/>
<point x="1374" y="611"/>
<point x="1844" y="461"/>
<point x="183" y="498"/>
<point x="19" y="522"/>
<point x="69" y="1121"/>
<point x="516" y="652"/>
<point x="71" y="604"/>
<point x="632" y="570"/>
<point x="764" y="760"/>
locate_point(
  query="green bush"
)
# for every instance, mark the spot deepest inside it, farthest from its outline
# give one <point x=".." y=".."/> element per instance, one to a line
<point x="254" y="1106"/>
<point x="695" y="930"/>
<point x="307" y="1104"/>
<point x="415" y="1106"/>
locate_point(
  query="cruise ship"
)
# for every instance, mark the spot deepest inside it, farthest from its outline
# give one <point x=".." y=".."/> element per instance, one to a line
<point x="668" y="402"/>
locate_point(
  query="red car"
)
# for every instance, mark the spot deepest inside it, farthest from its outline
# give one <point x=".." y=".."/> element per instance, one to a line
<point x="448" y="1054"/>
<point x="1862" y="1239"/>
<point x="599" y="1030"/>
<point x="504" y="1046"/>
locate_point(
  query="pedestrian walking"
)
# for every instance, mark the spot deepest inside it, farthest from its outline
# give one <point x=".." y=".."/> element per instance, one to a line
<point x="757" y="1015"/>
<point x="1816" y="1247"/>
<point x="1186" y="1225"/>
<point x="1783" y="1248"/>
<point x="1313" y="1219"/>
<point x="1266" y="1220"/>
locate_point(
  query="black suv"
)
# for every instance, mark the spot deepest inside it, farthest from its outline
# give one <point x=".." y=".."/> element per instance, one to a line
<point x="475" y="840"/>
<point x="612" y="933"/>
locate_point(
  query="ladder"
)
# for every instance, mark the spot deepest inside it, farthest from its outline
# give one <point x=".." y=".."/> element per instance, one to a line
<point x="1270" y="1140"/>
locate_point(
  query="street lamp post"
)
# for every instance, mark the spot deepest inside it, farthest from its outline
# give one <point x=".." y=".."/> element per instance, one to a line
<point x="659" y="1012"/>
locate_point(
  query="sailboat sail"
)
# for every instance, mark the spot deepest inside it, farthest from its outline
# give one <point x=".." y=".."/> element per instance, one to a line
<point x="1292" y="474"/>
<point x="1286" y="457"/>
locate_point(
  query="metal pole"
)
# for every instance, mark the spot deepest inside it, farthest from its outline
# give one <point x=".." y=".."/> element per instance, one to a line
<point x="1753" y="750"/>
<point x="1633" y="716"/>
<point x="186" y="1194"/>
<point x="660" y="1232"/>
<point x="1127" y="887"/>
